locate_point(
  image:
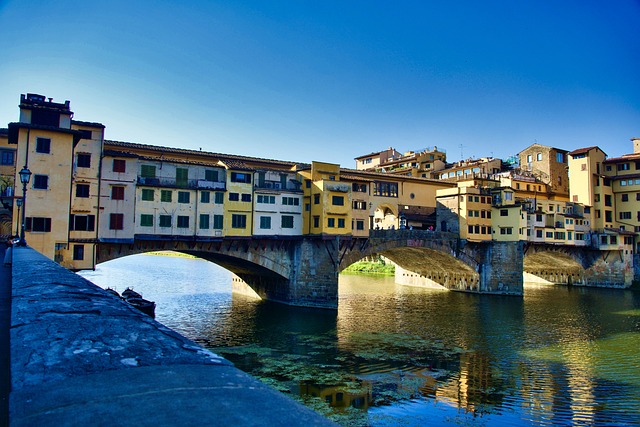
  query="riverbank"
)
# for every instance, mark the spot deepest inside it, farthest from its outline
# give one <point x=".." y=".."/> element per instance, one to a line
<point x="171" y="254"/>
<point x="371" y="267"/>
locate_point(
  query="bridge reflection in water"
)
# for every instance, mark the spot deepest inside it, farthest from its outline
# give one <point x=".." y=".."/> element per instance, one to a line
<point x="557" y="356"/>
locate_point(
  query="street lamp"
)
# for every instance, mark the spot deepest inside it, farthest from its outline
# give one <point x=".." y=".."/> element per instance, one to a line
<point x="403" y="221"/>
<point x="18" y="204"/>
<point x="25" y="177"/>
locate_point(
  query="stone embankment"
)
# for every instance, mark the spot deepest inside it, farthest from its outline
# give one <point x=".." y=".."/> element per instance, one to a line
<point x="80" y="356"/>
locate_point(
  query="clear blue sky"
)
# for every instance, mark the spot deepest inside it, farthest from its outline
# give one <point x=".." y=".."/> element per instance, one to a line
<point x="333" y="80"/>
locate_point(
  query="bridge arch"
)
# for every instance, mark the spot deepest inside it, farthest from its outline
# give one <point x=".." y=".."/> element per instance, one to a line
<point x="575" y="265"/>
<point x="443" y="258"/>
<point x="264" y="266"/>
<point x="385" y="215"/>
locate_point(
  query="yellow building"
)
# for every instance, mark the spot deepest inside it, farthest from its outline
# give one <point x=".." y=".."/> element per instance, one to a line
<point x="467" y="211"/>
<point x="45" y="145"/>
<point x="7" y="186"/>
<point x="328" y="199"/>
<point x="85" y="195"/>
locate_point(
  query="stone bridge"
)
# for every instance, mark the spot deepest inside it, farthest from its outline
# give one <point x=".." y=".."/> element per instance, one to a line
<point x="304" y="271"/>
<point x="576" y="265"/>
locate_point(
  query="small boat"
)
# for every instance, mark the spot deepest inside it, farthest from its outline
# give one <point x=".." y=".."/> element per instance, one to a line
<point x="136" y="300"/>
<point x="113" y="292"/>
<point x="145" y="306"/>
<point x="130" y="293"/>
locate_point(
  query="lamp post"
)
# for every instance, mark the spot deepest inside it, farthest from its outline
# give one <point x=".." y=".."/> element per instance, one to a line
<point x="18" y="204"/>
<point x="25" y="177"/>
<point x="403" y="221"/>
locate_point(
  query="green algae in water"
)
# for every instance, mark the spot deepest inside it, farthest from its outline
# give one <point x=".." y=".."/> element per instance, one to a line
<point x="296" y="374"/>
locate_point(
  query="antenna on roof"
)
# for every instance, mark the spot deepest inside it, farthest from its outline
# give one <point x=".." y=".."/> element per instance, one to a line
<point x="461" y="152"/>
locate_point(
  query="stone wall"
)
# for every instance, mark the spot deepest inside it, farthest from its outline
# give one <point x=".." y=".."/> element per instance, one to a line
<point x="81" y="356"/>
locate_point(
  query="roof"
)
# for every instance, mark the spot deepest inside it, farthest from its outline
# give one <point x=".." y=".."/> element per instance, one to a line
<point x="583" y="150"/>
<point x="91" y="124"/>
<point x="623" y="158"/>
<point x="375" y="176"/>
<point x="15" y="126"/>
<point x="226" y="157"/>
<point x="375" y="153"/>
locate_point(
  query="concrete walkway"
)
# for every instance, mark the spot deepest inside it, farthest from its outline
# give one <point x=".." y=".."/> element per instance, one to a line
<point x="5" y="323"/>
<point x="80" y="356"/>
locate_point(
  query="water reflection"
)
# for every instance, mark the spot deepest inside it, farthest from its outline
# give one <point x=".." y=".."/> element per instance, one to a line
<point x="394" y="354"/>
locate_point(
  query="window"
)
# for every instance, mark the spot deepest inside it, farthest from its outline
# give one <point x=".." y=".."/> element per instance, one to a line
<point x="360" y="188"/>
<point x="506" y="230"/>
<point x="165" y="221"/>
<point x="241" y="177"/>
<point x="504" y="212"/>
<point x="238" y="221"/>
<point x="608" y="216"/>
<point x="83" y="160"/>
<point x="623" y="166"/>
<point x="116" y="221"/>
<point x="625" y="215"/>
<point x="218" y="198"/>
<point x="316" y="199"/>
<point x="78" y="252"/>
<point x="210" y="175"/>
<point x="539" y="157"/>
<point x="529" y="158"/>
<point x="7" y="157"/>
<point x="265" y="222"/>
<point x="625" y="197"/>
<point x="539" y="234"/>
<point x="41" y="182"/>
<point x="287" y="221"/>
<point x="607" y="199"/>
<point x="146" y="220"/>
<point x="205" y="197"/>
<point x="43" y="145"/>
<point x="120" y="165"/>
<point x="385" y="189"/>
<point x="359" y="205"/>
<point x="147" y="171"/>
<point x="234" y="197"/>
<point x="359" y="224"/>
<point x="82" y="190"/>
<point x="82" y="222"/>
<point x="148" y="194"/>
<point x="218" y="221"/>
<point x="245" y="197"/>
<point x="316" y="221"/>
<point x="183" y="221"/>
<point x="331" y="222"/>
<point x="204" y="221"/>
<point x="266" y="199"/>
<point x="165" y="195"/>
<point x="290" y="201"/>
<point x="182" y="176"/>
<point x="337" y="200"/>
<point x="340" y="222"/>
<point x="560" y="157"/>
<point x="307" y="183"/>
<point x="184" y="197"/>
<point x="117" y="193"/>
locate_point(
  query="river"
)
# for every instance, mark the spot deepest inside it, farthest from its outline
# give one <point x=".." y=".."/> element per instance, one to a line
<point x="395" y="355"/>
